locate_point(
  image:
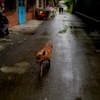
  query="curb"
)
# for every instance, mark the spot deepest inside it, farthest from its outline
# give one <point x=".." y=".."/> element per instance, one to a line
<point x="28" y="28"/>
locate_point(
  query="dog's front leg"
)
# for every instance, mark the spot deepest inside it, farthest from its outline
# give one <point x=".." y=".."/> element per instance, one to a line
<point x="41" y="73"/>
<point x="49" y="61"/>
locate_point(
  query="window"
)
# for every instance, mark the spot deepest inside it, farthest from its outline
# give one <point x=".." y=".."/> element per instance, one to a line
<point x="10" y="5"/>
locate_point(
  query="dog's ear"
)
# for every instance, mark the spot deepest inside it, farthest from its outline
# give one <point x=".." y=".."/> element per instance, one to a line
<point x="43" y="53"/>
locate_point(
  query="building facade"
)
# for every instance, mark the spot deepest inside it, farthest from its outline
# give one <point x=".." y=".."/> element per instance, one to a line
<point x="20" y="11"/>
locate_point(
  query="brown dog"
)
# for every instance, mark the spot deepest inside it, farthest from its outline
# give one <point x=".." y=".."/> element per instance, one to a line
<point x="44" y="54"/>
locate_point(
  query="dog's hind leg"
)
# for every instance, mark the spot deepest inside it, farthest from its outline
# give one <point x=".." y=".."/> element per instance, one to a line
<point x="41" y="69"/>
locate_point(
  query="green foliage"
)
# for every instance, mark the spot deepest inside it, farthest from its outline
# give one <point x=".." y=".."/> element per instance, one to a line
<point x="51" y="1"/>
<point x="69" y="4"/>
<point x="68" y="0"/>
<point x="70" y="8"/>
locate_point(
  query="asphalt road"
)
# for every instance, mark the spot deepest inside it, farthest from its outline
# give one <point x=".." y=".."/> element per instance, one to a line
<point x="74" y="73"/>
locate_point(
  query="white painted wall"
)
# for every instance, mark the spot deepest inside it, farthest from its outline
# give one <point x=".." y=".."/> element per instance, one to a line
<point x="37" y="3"/>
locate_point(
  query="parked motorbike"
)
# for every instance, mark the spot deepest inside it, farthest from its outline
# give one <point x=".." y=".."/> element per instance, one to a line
<point x="3" y="25"/>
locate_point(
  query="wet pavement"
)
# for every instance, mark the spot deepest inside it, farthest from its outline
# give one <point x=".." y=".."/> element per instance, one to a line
<point x="74" y="73"/>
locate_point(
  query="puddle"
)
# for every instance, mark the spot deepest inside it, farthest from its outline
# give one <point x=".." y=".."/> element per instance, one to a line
<point x="1" y="47"/>
<point x="5" y="40"/>
<point x="18" y="68"/>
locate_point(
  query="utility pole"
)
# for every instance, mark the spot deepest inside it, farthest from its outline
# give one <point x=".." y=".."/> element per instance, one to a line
<point x="34" y="7"/>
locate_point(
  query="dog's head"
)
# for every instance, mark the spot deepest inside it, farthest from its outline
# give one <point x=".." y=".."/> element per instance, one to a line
<point x="40" y="56"/>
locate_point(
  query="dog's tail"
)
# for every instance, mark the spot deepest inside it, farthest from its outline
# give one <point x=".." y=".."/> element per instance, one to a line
<point x="50" y="43"/>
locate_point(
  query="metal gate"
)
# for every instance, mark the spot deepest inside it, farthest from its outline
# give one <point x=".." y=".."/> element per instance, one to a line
<point x="21" y="12"/>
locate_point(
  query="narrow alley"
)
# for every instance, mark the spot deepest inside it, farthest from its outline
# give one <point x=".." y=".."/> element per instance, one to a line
<point x="74" y="73"/>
